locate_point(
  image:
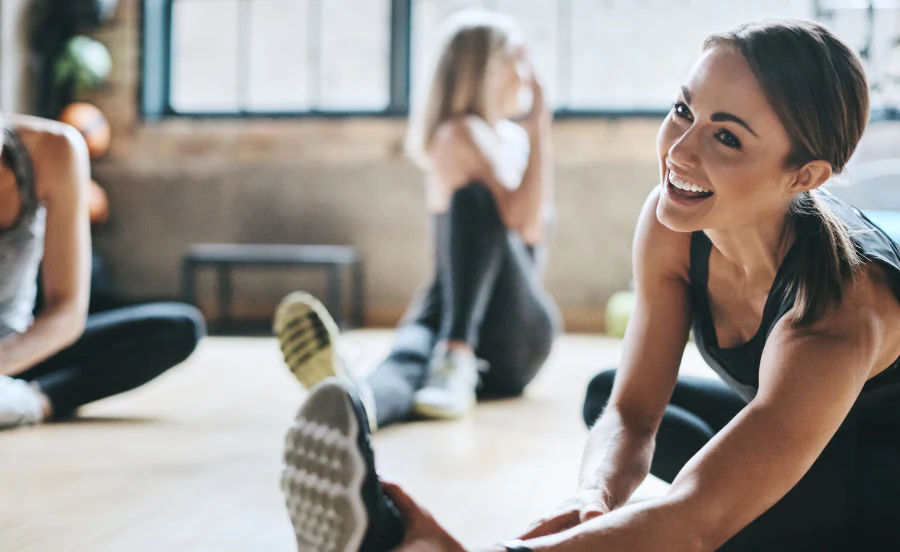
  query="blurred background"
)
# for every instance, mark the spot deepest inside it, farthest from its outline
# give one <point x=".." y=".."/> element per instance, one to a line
<point x="282" y="122"/>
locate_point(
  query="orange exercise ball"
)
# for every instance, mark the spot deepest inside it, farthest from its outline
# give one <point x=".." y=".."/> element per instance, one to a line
<point x="98" y="204"/>
<point x="91" y="123"/>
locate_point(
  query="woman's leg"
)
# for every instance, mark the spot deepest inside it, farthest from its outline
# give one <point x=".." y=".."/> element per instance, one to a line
<point x="847" y="498"/>
<point x="699" y="408"/>
<point x="395" y="381"/>
<point x="118" y="351"/>
<point x="520" y="325"/>
<point x="470" y="252"/>
<point x="492" y="300"/>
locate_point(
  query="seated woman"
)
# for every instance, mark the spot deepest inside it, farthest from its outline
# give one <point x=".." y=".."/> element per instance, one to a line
<point x="793" y="298"/>
<point x="61" y="359"/>
<point x="485" y="316"/>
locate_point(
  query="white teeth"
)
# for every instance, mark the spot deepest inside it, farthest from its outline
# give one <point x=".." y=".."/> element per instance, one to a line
<point x="684" y="185"/>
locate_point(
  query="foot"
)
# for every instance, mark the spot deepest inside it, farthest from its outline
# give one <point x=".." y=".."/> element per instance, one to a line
<point x="449" y="390"/>
<point x="333" y="495"/>
<point x="308" y="337"/>
<point x="20" y="403"/>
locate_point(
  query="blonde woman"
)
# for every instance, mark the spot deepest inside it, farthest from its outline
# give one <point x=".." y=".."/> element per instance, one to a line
<point x="484" y="318"/>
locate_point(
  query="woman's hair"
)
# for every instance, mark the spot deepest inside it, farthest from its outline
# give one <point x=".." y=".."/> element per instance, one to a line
<point x="817" y="87"/>
<point x="469" y="39"/>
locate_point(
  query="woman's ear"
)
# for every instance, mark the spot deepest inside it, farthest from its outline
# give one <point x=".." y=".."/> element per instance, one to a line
<point x="810" y="176"/>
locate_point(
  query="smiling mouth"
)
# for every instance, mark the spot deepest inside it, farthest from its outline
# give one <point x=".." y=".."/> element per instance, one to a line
<point x="684" y="190"/>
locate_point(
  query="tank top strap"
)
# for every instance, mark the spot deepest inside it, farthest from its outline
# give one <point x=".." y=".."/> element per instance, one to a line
<point x="701" y="247"/>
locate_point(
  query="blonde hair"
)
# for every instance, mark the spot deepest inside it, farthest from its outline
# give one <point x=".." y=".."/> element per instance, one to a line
<point x="470" y="39"/>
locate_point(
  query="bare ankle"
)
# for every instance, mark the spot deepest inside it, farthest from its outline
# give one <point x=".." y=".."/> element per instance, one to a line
<point x="46" y="405"/>
<point x="458" y="347"/>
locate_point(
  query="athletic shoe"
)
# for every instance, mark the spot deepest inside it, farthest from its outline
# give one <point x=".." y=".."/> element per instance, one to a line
<point x="449" y="390"/>
<point x="333" y="495"/>
<point x="20" y="403"/>
<point x="308" y="336"/>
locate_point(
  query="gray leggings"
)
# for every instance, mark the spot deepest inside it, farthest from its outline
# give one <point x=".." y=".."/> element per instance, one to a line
<point x="486" y="292"/>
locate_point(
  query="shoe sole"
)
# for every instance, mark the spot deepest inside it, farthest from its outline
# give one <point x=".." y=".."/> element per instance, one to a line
<point x="307" y="335"/>
<point x="434" y="412"/>
<point x="324" y="473"/>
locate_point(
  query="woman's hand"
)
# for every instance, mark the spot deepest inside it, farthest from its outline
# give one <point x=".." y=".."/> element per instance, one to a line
<point x="541" y="115"/>
<point x="423" y="532"/>
<point x="585" y="505"/>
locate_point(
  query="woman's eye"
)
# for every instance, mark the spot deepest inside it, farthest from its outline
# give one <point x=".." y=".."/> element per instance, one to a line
<point x="681" y="110"/>
<point x="728" y="139"/>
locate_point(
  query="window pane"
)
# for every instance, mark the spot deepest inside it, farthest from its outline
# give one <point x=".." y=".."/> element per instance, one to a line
<point x="279" y="56"/>
<point x="634" y="55"/>
<point x="355" y="54"/>
<point x="540" y="23"/>
<point x="205" y="55"/>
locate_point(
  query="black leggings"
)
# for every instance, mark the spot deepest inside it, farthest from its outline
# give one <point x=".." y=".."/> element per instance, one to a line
<point x="849" y="500"/>
<point x="119" y="350"/>
<point x="486" y="292"/>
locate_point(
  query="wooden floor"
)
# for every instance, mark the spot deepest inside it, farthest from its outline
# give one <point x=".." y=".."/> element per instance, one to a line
<point x="191" y="461"/>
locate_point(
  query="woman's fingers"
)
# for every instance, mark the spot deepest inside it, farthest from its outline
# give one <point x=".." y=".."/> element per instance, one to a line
<point x="552" y="525"/>
<point x="408" y="507"/>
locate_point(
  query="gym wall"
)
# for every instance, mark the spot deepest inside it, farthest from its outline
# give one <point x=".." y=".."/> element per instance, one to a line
<point x="176" y="182"/>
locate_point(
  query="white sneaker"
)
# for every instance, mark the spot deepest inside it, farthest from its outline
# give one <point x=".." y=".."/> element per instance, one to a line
<point x="449" y="391"/>
<point x="20" y="403"/>
<point x="308" y="337"/>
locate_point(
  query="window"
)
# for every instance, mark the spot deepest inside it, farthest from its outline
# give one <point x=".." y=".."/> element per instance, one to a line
<point x="274" y="57"/>
<point x="600" y="57"/>
<point x="607" y="56"/>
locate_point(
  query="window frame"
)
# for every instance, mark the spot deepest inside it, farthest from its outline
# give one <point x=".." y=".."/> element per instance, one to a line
<point x="156" y="64"/>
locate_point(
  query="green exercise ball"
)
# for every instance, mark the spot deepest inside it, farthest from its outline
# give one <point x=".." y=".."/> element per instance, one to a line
<point x="84" y="62"/>
<point x="618" y="312"/>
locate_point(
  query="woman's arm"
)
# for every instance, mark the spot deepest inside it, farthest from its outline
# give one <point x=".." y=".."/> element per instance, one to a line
<point x="62" y="177"/>
<point x="809" y="380"/>
<point x="620" y="445"/>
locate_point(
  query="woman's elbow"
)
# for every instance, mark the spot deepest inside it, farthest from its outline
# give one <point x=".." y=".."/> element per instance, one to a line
<point x="76" y="327"/>
<point x="70" y="319"/>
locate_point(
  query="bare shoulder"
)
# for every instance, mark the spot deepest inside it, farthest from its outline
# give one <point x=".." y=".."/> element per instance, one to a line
<point x="57" y="150"/>
<point x="866" y="319"/>
<point x="658" y="250"/>
<point x="46" y="139"/>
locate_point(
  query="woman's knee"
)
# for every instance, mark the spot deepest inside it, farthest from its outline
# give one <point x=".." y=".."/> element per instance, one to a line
<point x="190" y="328"/>
<point x="598" y="393"/>
<point x="177" y="328"/>
<point x="474" y="200"/>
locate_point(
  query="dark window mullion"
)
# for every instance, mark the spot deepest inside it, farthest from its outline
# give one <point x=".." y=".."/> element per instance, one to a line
<point x="401" y="60"/>
<point x="156" y="57"/>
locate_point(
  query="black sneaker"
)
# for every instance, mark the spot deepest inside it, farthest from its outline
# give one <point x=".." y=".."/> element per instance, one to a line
<point x="333" y="495"/>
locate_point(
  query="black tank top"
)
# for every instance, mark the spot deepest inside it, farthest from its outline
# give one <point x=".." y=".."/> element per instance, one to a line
<point x="739" y="366"/>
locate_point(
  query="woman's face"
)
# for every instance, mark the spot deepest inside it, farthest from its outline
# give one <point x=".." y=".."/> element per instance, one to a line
<point x="509" y="74"/>
<point x="722" y="150"/>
